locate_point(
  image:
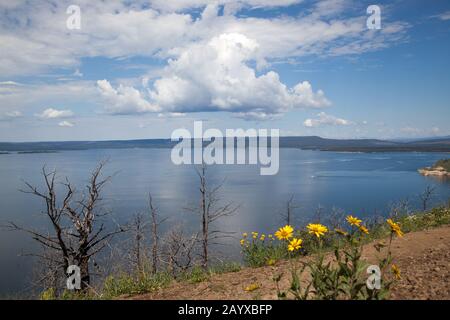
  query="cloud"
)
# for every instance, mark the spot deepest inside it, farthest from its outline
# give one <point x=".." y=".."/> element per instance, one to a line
<point x="51" y="113"/>
<point x="13" y="114"/>
<point x="325" y="8"/>
<point x="9" y="83"/>
<point x="214" y="76"/>
<point x="124" y="99"/>
<point x="66" y="124"/>
<point x="77" y="73"/>
<point x="435" y="130"/>
<point x="172" y="115"/>
<point x="26" y="96"/>
<point x="443" y="16"/>
<point x="8" y="88"/>
<point x="325" y="119"/>
<point x="10" y="115"/>
<point x="180" y="5"/>
<point x="256" y="116"/>
<point x="411" y="130"/>
<point x="118" y="29"/>
<point x="414" y="131"/>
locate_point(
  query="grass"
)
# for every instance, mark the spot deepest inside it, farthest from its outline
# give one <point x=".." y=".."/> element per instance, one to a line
<point x="198" y="274"/>
<point x="126" y="284"/>
<point x="260" y="250"/>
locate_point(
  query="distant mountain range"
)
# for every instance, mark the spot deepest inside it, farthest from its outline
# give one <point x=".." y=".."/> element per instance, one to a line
<point x="308" y="142"/>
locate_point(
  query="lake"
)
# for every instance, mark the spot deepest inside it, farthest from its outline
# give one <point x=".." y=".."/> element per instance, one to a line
<point x="363" y="184"/>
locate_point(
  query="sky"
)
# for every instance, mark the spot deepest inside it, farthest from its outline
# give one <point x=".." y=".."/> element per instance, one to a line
<point x="141" y="69"/>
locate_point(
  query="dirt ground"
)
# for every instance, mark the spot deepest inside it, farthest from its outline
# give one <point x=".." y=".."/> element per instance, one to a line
<point x="423" y="257"/>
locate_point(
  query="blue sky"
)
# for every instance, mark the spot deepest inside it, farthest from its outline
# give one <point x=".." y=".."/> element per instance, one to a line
<point x="140" y="69"/>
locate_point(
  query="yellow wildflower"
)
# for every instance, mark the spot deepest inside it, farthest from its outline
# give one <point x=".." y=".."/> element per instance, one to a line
<point x="284" y="233"/>
<point x="242" y="242"/>
<point x="363" y="229"/>
<point x="271" y="262"/>
<point x="295" y="244"/>
<point x="396" y="271"/>
<point x="252" y="287"/>
<point x="395" y="227"/>
<point x="317" y="229"/>
<point x="245" y="235"/>
<point x="263" y="237"/>
<point x="354" y="221"/>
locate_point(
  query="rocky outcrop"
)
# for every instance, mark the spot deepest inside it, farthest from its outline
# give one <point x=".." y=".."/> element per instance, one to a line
<point x="434" y="171"/>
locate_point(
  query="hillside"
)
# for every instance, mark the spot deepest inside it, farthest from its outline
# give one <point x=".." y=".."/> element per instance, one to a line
<point x="307" y="142"/>
<point x="366" y="145"/>
<point x="423" y="258"/>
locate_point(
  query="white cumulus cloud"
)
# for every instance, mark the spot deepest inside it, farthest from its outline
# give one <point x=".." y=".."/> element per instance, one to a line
<point x="443" y="16"/>
<point x="117" y="29"/>
<point x="326" y="119"/>
<point x="51" y="113"/>
<point x="214" y="76"/>
<point x="178" y="5"/>
<point x="124" y="99"/>
<point x="66" y="124"/>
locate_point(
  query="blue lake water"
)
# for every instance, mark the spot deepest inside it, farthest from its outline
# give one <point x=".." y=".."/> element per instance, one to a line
<point x="364" y="184"/>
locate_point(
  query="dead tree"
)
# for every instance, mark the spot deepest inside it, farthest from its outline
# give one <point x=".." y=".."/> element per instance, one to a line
<point x="77" y="233"/>
<point x="210" y="210"/>
<point x="137" y="254"/>
<point x="179" y="251"/>
<point x="155" y="223"/>
<point x="144" y="253"/>
<point x="290" y="207"/>
<point x="400" y="208"/>
<point x="47" y="273"/>
<point x="426" y="196"/>
<point x="318" y="213"/>
<point x="337" y="215"/>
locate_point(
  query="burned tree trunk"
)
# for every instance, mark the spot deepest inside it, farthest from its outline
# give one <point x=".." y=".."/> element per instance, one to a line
<point x="210" y="210"/>
<point x="155" y="237"/>
<point x="75" y="236"/>
<point x="426" y="196"/>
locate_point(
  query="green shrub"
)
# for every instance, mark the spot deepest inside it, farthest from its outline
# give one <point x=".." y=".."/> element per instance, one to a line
<point x="261" y="250"/>
<point x="445" y="163"/>
<point x="198" y="274"/>
<point x="48" y="294"/>
<point x="125" y="284"/>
